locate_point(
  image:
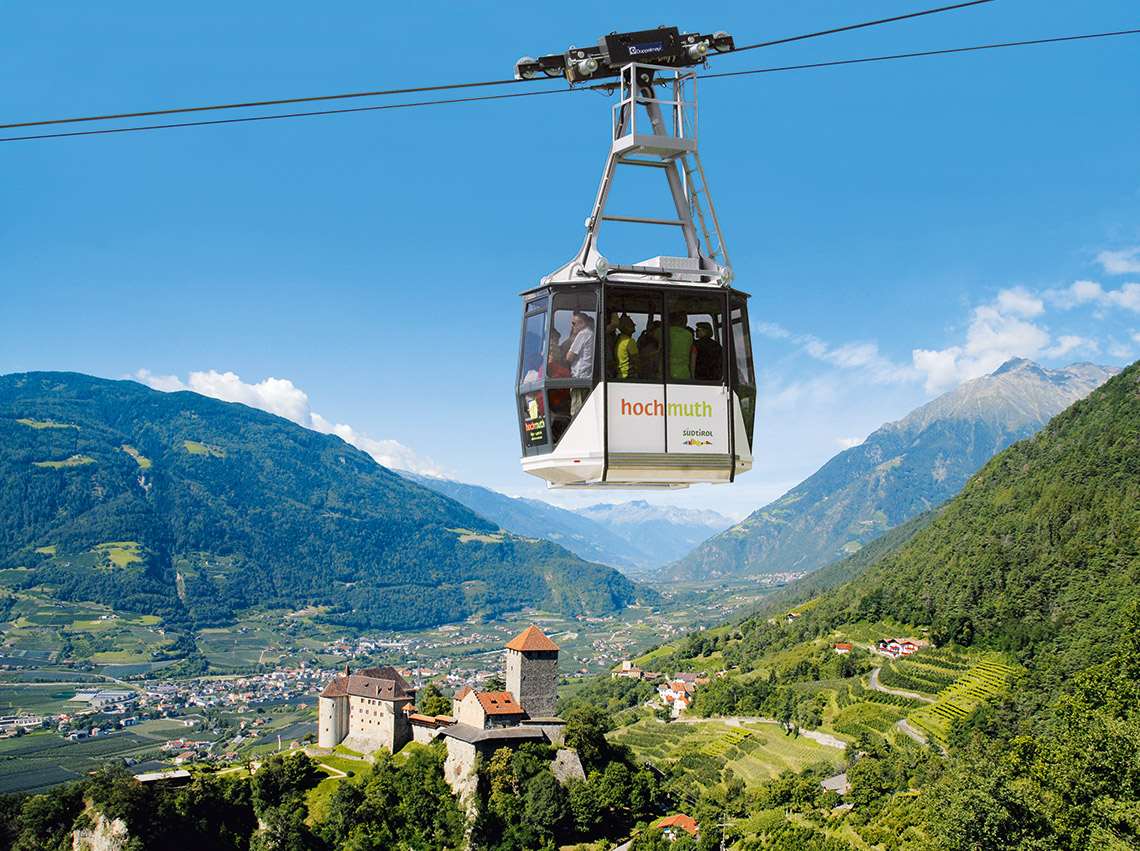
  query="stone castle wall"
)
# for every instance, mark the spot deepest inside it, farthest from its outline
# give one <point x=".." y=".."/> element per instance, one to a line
<point x="374" y="724"/>
<point x="532" y="677"/>
<point x="332" y="724"/>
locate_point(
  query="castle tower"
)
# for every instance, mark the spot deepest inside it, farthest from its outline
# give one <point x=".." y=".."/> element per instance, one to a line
<point x="532" y="672"/>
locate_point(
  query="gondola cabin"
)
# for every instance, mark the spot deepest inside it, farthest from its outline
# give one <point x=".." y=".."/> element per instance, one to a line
<point x="641" y="375"/>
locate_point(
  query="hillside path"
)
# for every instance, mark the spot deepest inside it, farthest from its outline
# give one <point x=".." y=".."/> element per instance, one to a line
<point x="911" y="694"/>
<point x="910" y="731"/>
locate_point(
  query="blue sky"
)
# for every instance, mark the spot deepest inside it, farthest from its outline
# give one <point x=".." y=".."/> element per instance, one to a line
<point x="902" y="226"/>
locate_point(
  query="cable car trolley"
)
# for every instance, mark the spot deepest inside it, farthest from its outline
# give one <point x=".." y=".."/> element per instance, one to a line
<point x="640" y="374"/>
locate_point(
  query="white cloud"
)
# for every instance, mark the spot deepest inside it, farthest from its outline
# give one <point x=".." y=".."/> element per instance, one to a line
<point x="771" y="330"/>
<point x="1069" y="344"/>
<point x="996" y="333"/>
<point x="1090" y="292"/>
<point x="281" y="397"/>
<point x="860" y="355"/>
<point x="1020" y="302"/>
<point x="849" y="442"/>
<point x="1128" y="296"/>
<point x="941" y="368"/>
<point x="1123" y="351"/>
<point x="1120" y="262"/>
<point x="165" y="383"/>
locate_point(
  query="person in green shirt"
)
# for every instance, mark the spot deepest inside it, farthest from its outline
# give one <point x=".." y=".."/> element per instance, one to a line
<point x="682" y="354"/>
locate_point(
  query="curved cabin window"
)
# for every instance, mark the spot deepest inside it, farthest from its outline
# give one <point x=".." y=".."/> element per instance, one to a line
<point x="572" y="357"/>
<point x="745" y="376"/>
<point x="695" y="338"/>
<point x="558" y="364"/>
<point x="632" y="336"/>
<point x="532" y="362"/>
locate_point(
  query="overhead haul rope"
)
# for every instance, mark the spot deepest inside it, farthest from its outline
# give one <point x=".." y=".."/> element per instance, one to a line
<point x="282" y="102"/>
<point x="602" y="87"/>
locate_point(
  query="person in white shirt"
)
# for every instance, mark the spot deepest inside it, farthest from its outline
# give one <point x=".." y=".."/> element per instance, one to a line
<point x="580" y="356"/>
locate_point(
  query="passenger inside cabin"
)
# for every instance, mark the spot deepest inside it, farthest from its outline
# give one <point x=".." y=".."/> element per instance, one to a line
<point x="649" y="347"/>
<point x="682" y="355"/>
<point x="707" y="361"/>
<point x="580" y="357"/>
<point x="626" y="356"/>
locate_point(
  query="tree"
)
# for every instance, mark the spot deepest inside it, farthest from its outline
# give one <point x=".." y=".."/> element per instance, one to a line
<point x="432" y="701"/>
<point x="496" y="683"/>
<point x="285" y="829"/>
<point x="585" y="809"/>
<point x="585" y="731"/>
<point x="545" y="803"/>
<point x="280" y="778"/>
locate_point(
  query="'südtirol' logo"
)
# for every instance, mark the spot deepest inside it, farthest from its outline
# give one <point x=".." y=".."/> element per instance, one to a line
<point x="695" y="442"/>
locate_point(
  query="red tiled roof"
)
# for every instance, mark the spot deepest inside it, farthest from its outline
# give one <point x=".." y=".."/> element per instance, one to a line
<point x="498" y="703"/>
<point x="462" y="693"/>
<point x="531" y="638"/>
<point x="682" y="821"/>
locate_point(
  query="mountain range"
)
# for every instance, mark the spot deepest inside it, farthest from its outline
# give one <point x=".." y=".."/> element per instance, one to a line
<point x="634" y="536"/>
<point x="191" y="508"/>
<point x="901" y="470"/>
<point x="1038" y="555"/>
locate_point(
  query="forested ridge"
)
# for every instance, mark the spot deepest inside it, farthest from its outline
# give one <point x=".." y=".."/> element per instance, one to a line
<point x="231" y="507"/>
<point x="902" y="469"/>
<point x="1038" y="554"/>
<point x="1038" y="560"/>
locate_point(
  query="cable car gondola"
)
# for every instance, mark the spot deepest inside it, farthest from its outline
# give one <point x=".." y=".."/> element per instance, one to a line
<point x="640" y="375"/>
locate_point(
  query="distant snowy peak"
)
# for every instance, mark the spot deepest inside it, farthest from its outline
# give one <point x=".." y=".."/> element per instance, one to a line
<point x="632" y="537"/>
<point x="640" y="512"/>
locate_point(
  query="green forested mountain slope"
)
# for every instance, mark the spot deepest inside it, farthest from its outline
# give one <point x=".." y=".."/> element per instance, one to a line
<point x="1039" y="552"/>
<point x="901" y="470"/>
<point x="227" y="507"/>
<point x="1038" y="557"/>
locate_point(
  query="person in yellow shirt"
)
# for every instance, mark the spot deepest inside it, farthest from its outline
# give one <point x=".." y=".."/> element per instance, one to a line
<point x="625" y="352"/>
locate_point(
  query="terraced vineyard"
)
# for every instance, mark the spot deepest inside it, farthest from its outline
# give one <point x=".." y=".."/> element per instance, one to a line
<point x="755" y="753"/>
<point x="876" y="719"/>
<point x="721" y="746"/>
<point x="928" y="672"/>
<point x="981" y="684"/>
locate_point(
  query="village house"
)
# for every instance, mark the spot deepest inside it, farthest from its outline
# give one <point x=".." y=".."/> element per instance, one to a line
<point x="837" y="784"/>
<point x="894" y="648"/>
<point x="677" y="694"/>
<point x="627" y="670"/>
<point x="672" y="825"/>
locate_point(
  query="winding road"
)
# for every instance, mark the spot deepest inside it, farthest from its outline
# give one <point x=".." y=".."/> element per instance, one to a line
<point x="911" y="694"/>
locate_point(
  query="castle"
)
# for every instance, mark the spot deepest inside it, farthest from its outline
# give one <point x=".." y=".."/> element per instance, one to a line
<point x="376" y="709"/>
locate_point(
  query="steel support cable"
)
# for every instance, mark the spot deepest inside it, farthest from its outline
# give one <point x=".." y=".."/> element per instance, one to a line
<point x="388" y="92"/>
<point x="285" y="115"/>
<point x="604" y="87"/>
<point x="915" y="55"/>
<point x="256" y="103"/>
<point x="861" y="26"/>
